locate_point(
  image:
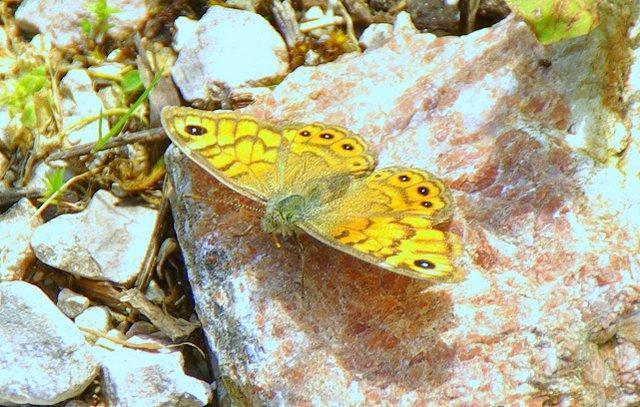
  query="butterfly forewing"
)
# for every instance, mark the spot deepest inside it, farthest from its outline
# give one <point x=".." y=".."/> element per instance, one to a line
<point x="237" y="149"/>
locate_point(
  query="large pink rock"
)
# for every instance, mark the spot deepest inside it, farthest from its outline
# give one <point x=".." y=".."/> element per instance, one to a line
<point x="525" y="137"/>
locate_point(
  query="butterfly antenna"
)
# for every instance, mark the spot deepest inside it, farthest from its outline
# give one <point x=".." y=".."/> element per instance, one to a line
<point x="209" y="200"/>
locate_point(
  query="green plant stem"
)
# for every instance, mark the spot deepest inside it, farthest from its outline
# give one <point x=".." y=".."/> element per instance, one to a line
<point x="86" y="120"/>
<point x="117" y="128"/>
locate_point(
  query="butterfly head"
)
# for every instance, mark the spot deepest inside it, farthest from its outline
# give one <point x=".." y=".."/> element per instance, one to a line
<point x="282" y="214"/>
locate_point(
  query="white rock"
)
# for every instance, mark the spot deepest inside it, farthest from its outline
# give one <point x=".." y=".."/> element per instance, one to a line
<point x="41" y="43"/>
<point x="375" y="35"/>
<point x="111" y="97"/>
<point x="61" y="19"/>
<point x="117" y="55"/>
<point x="186" y="31"/>
<point x="403" y="24"/>
<point x="158" y="378"/>
<point x="103" y="242"/>
<point x="313" y="13"/>
<point x="72" y="303"/>
<point x="95" y="319"/>
<point x="79" y="101"/>
<point x="254" y="54"/>
<point x="311" y="58"/>
<point x="77" y="403"/>
<point x="44" y="359"/>
<point x="15" y="252"/>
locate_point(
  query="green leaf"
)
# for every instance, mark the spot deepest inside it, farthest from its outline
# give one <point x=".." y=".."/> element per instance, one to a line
<point x="29" y="118"/>
<point x="101" y="10"/>
<point x="557" y="20"/>
<point x="85" y="25"/>
<point x="54" y="180"/>
<point x="117" y="128"/>
<point x="131" y="82"/>
<point x="18" y="94"/>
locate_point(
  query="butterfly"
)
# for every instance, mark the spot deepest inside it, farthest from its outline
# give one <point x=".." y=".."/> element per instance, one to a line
<point x="322" y="180"/>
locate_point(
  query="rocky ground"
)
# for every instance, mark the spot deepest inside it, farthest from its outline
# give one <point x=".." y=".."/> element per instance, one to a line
<point x="128" y="277"/>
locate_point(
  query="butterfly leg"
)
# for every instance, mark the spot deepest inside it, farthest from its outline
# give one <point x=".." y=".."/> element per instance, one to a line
<point x="276" y="241"/>
<point x="302" y="263"/>
<point x="244" y="232"/>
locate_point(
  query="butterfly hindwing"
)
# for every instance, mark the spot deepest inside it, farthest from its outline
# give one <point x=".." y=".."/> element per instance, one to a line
<point x="394" y="226"/>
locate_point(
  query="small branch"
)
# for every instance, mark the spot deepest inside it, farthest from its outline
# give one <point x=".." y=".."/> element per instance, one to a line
<point x="174" y="328"/>
<point x="468" y="13"/>
<point x="8" y="196"/>
<point x="321" y="23"/>
<point x="148" y="346"/>
<point x="151" y="256"/>
<point x="106" y="76"/>
<point x="143" y="136"/>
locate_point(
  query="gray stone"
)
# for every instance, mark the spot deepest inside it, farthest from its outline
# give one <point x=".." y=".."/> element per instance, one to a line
<point x="253" y="52"/>
<point x="44" y="359"/>
<point x="60" y="19"/>
<point x="131" y="375"/>
<point x="106" y="241"/>
<point x="72" y="304"/>
<point x="79" y="101"/>
<point x="94" y="319"/>
<point x="15" y="253"/>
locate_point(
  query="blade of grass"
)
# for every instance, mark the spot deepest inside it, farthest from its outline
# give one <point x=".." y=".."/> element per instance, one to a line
<point x="53" y="182"/>
<point x="117" y="128"/>
<point x="100" y="125"/>
<point x="51" y="199"/>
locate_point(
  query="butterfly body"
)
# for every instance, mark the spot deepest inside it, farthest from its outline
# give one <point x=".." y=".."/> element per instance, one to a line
<point x="321" y="179"/>
<point x="282" y="215"/>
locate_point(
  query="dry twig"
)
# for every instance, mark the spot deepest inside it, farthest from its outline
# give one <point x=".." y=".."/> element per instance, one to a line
<point x="174" y="328"/>
<point x="151" y="256"/>
<point x="148" y="135"/>
<point x="8" y="196"/>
